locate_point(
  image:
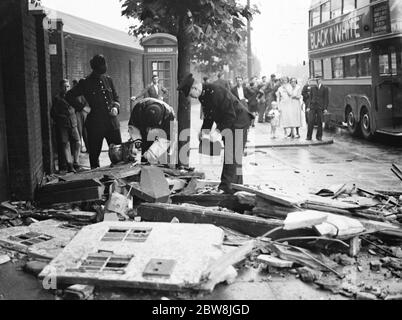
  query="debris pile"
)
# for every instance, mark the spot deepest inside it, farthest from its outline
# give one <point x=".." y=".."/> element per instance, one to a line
<point x="163" y="229"/>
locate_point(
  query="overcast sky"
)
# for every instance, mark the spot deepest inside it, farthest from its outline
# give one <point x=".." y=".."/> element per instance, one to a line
<point x="279" y="32"/>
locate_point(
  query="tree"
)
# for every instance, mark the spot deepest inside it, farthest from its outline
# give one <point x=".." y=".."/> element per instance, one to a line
<point x="205" y="23"/>
<point x="213" y="59"/>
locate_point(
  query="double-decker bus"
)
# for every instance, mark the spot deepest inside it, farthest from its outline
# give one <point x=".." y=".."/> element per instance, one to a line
<point x="356" y="46"/>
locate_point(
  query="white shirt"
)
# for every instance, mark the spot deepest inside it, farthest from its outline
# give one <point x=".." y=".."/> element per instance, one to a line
<point x="240" y="93"/>
<point x="156" y="88"/>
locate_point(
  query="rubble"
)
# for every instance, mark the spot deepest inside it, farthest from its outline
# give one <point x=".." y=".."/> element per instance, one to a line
<point x="4" y="259"/>
<point x="326" y="239"/>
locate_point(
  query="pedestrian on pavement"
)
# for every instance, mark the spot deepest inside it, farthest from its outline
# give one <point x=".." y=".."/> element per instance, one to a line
<point x="296" y="102"/>
<point x="270" y="92"/>
<point x="67" y="134"/>
<point x="233" y="121"/>
<point x="262" y="99"/>
<point x="81" y="118"/>
<point x="102" y="122"/>
<point x="318" y="108"/>
<point x="150" y="118"/>
<point x="240" y="91"/>
<point x="222" y="82"/>
<point x="284" y="95"/>
<point x="154" y="90"/>
<point x="253" y="93"/>
<point x="274" y="115"/>
<point x="306" y="98"/>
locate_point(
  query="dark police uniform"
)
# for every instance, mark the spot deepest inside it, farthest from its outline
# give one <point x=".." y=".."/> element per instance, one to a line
<point x="230" y="115"/>
<point x="163" y="113"/>
<point x="100" y="93"/>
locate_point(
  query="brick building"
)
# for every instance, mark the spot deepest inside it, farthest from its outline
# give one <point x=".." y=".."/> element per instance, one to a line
<point x="33" y="59"/>
<point x="24" y="100"/>
<point x="76" y="41"/>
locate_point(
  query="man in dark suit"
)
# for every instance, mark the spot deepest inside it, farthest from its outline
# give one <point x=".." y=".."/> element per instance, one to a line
<point x="100" y="93"/>
<point x="154" y="90"/>
<point x="319" y="100"/>
<point x="232" y="119"/>
<point x="240" y="91"/>
<point x="306" y="92"/>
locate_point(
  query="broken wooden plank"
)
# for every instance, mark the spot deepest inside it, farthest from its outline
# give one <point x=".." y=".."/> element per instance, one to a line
<point x="205" y="200"/>
<point x="320" y="207"/>
<point x="230" y="202"/>
<point x="330" y="203"/>
<point x="274" y="262"/>
<point x="215" y="272"/>
<point x="70" y="192"/>
<point x="79" y="216"/>
<point x="354" y="246"/>
<point x="304" y="219"/>
<point x="272" y="196"/>
<point x="248" y="225"/>
<point x="183" y="173"/>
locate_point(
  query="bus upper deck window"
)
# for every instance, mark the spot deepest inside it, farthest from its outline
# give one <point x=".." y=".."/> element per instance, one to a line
<point x="316" y="16"/>
<point x="336" y="8"/>
<point x="362" y="3"/>
<point x="348" y="6"/>
<point x="326" y="11"/>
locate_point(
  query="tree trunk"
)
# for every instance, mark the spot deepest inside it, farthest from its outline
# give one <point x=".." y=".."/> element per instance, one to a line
<point x="184" y="108"/>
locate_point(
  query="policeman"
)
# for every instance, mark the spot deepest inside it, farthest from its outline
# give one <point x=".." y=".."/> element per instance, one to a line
<point x="150" y="119"/>
<point x="233" y="120"/>
<point x="100" y="93"/>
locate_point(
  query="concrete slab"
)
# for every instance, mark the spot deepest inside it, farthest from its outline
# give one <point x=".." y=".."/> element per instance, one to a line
<point x="115" y="254"/>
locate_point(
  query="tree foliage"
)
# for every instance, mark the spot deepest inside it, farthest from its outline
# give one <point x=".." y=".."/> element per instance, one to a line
<point x="217" y="28"/>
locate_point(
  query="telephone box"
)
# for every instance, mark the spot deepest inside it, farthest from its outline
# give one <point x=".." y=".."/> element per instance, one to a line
<point x="160" y="59"/>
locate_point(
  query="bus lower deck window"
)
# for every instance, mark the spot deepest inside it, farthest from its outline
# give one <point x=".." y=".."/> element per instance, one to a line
<point x="337" y="68"/>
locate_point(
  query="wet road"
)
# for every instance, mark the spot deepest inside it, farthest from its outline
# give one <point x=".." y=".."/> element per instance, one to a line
<point x="298" y="169"/>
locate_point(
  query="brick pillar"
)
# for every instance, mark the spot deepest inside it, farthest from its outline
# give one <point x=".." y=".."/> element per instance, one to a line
<point x="42" y="42"/>
<point x="58" y="60"/>
<point x="21" y="99"/>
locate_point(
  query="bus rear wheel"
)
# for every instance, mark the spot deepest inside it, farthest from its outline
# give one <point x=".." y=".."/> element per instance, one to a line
<point x="353" y="125"/>
<point x="365" y="124"/>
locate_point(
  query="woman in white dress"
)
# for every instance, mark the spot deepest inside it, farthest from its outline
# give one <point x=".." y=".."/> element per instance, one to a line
<point x="285" y="105"/>
<point x="296" y="105"/>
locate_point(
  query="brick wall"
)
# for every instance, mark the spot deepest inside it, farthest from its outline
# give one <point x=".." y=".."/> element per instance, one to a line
<point x="80" y="50"/>
<point x="57" y="62"/>
<point x="21" y="100"/>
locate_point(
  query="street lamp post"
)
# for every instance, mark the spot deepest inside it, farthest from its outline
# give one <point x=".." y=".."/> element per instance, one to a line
<point x="249" y="52"/>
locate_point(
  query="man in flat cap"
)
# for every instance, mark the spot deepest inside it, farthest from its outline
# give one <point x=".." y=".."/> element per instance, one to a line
<point x="150" y="119"/>
<point x="233" y="120"/>
<point x="102" y="123"/>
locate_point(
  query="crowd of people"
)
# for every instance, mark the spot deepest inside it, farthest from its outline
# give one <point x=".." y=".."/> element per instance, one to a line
<point x="88" y="112"/>
<point x="280" y="102"/>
